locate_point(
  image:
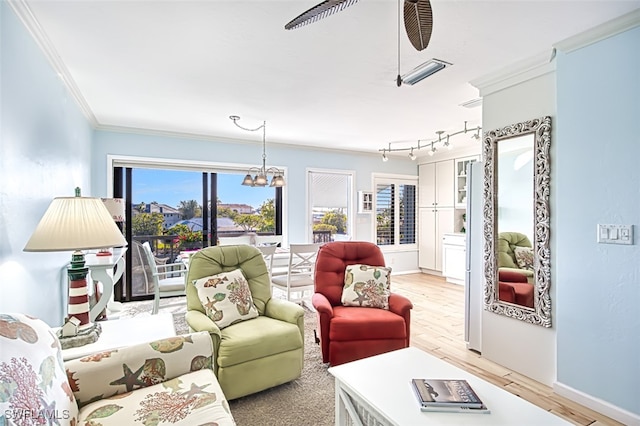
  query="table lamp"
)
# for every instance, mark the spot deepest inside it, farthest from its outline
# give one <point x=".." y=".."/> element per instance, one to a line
<point x="75" y="224"/>
<point x="115" y="207"/>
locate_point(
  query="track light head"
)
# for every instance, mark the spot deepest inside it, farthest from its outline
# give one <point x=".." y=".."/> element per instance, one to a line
<point x="384" y="156"/>
<point x="412" y="155"/>
<point x="448" y="144"/>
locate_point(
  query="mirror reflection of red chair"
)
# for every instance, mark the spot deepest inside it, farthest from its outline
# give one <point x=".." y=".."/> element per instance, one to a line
<point x="348" y="333"/>
<point x="513" y="287"/>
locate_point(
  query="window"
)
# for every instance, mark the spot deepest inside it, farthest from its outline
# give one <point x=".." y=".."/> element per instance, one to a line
<point x="170" y="206"/>
<point x="395" y="208"/>
<point x="330" y="205"/>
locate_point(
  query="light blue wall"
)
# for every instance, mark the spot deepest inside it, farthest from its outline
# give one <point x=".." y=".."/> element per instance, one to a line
<point x="45" y="152"/>
<point x="296" y="160"/>
<point x="598" y="175"/>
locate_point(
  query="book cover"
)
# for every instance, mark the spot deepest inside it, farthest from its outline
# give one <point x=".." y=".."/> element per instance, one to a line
<point x="445" y="393"/>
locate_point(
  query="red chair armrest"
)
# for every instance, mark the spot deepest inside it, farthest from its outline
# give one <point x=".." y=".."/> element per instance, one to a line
<point x="399" y="304"/>
<point x="511" y="276"/>
<point x="321" y="304"/>
<point x="506" y="292"/>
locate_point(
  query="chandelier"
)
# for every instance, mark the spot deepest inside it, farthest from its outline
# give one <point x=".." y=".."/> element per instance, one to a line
<point x="261" y="177"/>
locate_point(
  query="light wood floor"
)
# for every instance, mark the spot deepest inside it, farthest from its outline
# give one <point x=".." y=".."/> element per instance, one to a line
<point x="437" y="327"/>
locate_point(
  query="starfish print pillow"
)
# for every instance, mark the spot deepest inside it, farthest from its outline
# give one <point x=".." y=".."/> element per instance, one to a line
<point x="366" y="285"/>
<point x="226" y="298"/>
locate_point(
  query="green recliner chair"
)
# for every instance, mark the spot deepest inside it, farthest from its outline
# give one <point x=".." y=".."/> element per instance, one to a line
<point x="507" y="243"/>
<point x="255" y="354"/>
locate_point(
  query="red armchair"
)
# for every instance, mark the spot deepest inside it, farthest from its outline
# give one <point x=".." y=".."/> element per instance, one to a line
<point x="349" y="333"/>
<point x="513" y="287"/>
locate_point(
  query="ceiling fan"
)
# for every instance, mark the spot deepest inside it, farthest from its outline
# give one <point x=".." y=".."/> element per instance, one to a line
<point x="418" y="18"/>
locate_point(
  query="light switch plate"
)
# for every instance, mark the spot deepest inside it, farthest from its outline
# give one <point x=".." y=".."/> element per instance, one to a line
<point x="615" y="234"/>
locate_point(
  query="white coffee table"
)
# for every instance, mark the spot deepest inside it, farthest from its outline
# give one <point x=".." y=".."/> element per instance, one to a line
<point x="126" y="332"/>
<point x="377" y="391"/>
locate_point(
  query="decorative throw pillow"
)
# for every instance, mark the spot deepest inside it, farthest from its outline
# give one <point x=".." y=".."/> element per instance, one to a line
<point x="366" y="285"/>
<point x="524" y="257"/>
<point x="226" y="298"/>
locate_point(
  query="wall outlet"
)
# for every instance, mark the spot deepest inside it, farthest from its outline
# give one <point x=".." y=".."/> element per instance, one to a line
<point x="615" y="234"/>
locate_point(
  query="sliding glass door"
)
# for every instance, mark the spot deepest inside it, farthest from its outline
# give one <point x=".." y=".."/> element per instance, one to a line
<point x="177" y="210"/>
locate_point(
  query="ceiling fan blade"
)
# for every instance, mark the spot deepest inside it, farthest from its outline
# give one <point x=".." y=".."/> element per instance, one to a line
<point x="418" y="22"/>
<point x="319" y="11"/>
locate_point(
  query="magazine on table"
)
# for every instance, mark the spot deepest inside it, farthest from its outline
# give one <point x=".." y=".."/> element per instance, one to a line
<point x="451" y="394"/>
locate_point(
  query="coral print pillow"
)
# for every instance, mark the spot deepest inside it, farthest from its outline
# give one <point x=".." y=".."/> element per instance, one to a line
<point x="226" y="298"/>
<point x="524" y="257"/>
<point x="366" y="285"/>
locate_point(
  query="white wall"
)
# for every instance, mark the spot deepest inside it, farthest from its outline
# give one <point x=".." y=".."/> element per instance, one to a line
<point x="598" y="181"/>
<point x="520" y="346"/>
<point x="45" y="146"/>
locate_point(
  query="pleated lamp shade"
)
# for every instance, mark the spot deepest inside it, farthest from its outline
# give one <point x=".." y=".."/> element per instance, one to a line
<point x="75" y="223"/>
<point x="115" y="207"/>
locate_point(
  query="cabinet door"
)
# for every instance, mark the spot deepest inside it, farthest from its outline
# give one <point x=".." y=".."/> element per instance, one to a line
<point x="427" y="226"/>
<point x="434" y="223"/>
<point x="444" y="174"/>
<point x="427" y="185"/>
<point x="460" y="180"/>
<point x="453" y="262"/>
<point x="444" y="225"/>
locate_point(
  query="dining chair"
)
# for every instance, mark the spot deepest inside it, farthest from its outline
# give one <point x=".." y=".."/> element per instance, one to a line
<point x="168" y="279"/>
<point x="268" y="252"/>
<point x="299" y="276"/>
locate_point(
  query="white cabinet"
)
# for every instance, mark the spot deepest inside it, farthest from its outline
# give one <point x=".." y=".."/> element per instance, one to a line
<point x="454" y="257"/>
<point x="436" y="201"/>
<point x="434" y="223"/>
<point x="436" y="184"/>
<point x="460" y="180"/>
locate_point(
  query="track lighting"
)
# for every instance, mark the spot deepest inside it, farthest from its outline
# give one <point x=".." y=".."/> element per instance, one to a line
<point x="412" y="155"/>
<point x="445" y="142"/>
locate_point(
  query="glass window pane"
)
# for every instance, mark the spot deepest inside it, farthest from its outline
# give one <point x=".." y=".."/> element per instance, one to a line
<point x="407" y="195"/>
<point x="329" y="195"/>
<point x="385" y="234"/>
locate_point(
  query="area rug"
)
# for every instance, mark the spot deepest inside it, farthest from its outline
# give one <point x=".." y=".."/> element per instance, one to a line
<point x="308" y="400"/>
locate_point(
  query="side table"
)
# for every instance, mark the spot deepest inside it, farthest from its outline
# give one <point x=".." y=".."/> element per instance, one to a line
<point x="126" y="332"/>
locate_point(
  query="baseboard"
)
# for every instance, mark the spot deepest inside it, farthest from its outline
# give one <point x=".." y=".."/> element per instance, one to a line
<point x="596" y="404"/>
<point x="405" y="272"/>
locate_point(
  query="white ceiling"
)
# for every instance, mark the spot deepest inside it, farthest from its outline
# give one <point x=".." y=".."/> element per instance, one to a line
<point x="185" y="66"/>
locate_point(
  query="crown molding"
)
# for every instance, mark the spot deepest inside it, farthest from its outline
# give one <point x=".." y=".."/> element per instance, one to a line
<point x="599" y="33"/>
<point x="21" y="8"/>
<point x="516" y="73"/>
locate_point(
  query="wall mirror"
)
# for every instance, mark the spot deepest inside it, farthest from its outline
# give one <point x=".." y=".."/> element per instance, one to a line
<point x="516" y="227"/>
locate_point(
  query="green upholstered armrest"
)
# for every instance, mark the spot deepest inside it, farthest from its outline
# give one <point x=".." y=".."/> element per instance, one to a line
<point x="198" y="321"/>
<point x="527" y="273"/>
<point x="286" y="311"/>
<point x="118" y="371"/>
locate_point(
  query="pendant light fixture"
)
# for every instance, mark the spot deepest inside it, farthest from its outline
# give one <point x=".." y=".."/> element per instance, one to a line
<point x="261" y="177"/>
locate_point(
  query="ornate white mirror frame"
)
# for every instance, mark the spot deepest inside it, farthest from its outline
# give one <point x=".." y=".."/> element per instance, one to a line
<point x="540" y="314"/>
